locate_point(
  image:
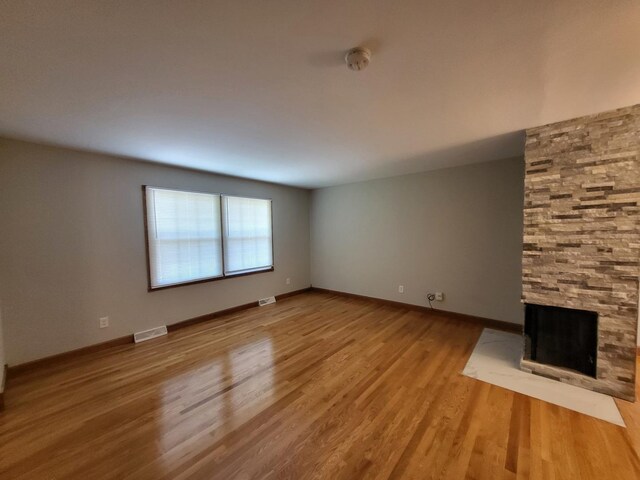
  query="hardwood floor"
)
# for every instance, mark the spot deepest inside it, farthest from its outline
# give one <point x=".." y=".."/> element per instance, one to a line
<point x="315" y="386"/>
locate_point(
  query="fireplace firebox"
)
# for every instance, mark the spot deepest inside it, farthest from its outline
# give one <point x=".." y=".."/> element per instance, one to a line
<point x="561" y="337"/>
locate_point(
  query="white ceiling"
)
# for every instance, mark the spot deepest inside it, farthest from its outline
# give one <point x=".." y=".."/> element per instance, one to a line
<point x="259" y="89"/>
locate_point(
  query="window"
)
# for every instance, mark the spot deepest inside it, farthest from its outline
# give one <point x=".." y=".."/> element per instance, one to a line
<point x="247" y="235"/>
<point x="195" y="237"/>
<point x="184" y="236"/>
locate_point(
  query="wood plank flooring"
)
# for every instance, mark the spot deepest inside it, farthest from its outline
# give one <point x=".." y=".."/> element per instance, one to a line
<point x="316" y="386"/>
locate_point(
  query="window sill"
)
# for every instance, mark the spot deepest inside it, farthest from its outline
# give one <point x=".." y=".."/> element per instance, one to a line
<point x="206" y="280"/>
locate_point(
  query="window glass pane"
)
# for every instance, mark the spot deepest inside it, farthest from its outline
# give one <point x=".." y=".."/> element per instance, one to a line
<point x="247" y="229"/>
<point x="184" y="234"/>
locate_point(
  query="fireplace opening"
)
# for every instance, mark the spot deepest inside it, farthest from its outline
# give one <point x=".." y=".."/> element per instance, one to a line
<point x="562" y="337"/>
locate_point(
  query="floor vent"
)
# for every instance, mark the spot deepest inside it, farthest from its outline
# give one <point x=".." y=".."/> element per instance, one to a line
<point x="149" y="334"/>
<point x="266" y="301"/>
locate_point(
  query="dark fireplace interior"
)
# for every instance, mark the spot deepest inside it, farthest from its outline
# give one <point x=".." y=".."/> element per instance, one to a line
<point x="562" y="337"/>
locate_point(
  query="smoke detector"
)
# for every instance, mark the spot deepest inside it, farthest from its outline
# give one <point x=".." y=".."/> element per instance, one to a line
<point x="358" y="58"/>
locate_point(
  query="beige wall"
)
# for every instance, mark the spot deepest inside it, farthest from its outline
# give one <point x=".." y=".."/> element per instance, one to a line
<point x="72" y="248"/>
<point x="457" y="230"/>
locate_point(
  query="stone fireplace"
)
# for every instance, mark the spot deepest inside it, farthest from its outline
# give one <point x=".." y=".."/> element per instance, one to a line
<point x="581" y="251"/>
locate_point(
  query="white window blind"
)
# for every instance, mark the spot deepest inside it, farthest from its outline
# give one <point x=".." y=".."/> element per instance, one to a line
<point x="247" y="235"/>
<point x="184" y="235"/>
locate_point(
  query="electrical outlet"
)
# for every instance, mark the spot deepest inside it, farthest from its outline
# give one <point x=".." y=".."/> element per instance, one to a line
<point x="439" y="296"/>
<point x="104" y="322"/>
<point x="288" y="281"/>
<point x="400" y="288"/>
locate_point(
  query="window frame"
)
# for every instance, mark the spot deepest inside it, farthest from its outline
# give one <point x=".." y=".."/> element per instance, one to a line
<point x="224" y="275"/>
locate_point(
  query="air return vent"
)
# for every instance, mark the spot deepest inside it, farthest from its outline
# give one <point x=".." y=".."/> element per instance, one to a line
<point x="266" y="301"/>
<point x="149" y="334"/>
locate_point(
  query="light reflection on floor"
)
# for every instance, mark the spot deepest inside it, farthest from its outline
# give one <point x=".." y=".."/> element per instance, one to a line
<point x="217" y="396"/>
